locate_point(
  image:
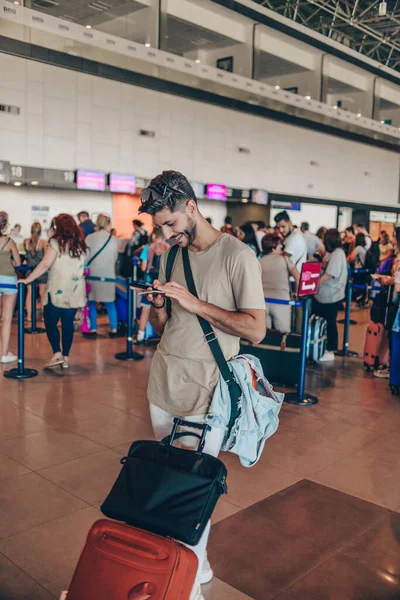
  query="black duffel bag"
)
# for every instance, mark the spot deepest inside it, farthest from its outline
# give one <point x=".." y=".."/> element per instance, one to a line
<point x="166" y="490"/>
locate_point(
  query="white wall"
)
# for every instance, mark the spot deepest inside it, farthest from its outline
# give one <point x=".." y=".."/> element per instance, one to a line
<point x="216" y="210"/>
<point x="317" y="215"/>
<point x="18" y="202"/>
<point x="71" y="120"/>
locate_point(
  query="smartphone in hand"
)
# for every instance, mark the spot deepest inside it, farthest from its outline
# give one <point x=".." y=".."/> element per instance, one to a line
<point x="145" y="288"/>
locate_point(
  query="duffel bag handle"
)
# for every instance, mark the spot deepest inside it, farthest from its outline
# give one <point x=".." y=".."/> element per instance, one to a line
<point x="182" y="423"/>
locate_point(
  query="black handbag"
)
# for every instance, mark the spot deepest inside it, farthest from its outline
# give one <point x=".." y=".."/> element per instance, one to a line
<point x="166" y="490"/>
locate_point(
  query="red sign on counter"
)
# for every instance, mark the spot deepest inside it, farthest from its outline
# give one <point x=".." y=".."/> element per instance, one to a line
<point x="309" y="279"/>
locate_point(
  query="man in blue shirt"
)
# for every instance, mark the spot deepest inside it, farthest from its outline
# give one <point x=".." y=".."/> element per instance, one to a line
<point x="85" y="223"/>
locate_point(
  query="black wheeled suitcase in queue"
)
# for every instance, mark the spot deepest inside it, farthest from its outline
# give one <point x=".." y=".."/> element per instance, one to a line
<point x="279" y="354"/>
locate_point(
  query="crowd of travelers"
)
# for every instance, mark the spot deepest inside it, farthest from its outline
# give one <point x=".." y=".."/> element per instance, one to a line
<point x="222" y="283"/>
<point x="72" y="248"/>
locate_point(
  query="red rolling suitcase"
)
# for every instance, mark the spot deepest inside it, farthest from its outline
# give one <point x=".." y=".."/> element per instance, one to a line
<point x="120" y="562"/>
<point x="376" y="349"/>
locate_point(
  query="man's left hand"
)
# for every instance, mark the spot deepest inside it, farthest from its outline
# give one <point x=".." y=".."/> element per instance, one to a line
<point x="178" y="292"/>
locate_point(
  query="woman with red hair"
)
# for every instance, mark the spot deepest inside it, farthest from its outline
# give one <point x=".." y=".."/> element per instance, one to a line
<point x="64" y="259"/>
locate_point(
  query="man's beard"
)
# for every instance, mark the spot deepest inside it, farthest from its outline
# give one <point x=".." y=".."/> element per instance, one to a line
<point x="191" y="231"/>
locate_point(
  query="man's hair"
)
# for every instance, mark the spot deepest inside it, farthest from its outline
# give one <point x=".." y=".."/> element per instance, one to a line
<point x="83" y="213"/>
<point x="228" y="220"/>
<point x="305" y="226"/>
<point x="103" y="221"/>
<point x="172" y="190"/>
<point x="361" y="225"/>
<point x="350" y="229"/>
<point x="332" y="240"/>
<point x="137" y="223"/>
<point x="282" y="216"/>
<point x="260" y="224"/>
<point x="360" y="240"/>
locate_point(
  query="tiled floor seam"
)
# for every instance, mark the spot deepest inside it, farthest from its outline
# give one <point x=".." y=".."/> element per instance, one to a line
<point x="336" y="462"/>
<point x="350" y="492"/>
<point x="66" y="462"/>
<point x="15" y="533"/>
<point x="335" y="553"/>
<point x="64" y="489"/>
<point x="27" y="574"/>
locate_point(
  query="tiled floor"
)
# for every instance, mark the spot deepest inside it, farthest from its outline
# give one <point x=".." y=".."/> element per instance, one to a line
<point x="318" y="518"/>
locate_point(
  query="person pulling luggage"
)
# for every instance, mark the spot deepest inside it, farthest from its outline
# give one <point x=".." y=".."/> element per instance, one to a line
<point x="184" y="373"/>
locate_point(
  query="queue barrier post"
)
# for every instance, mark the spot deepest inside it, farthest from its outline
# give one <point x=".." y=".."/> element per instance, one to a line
<point x="33" y="328"/>
<point x="21" y="372"/>
<point x="347" y="322"/>
<point x="351" y="273"/>
<point x="300" y="397"/>
<point x="129" y="355"/>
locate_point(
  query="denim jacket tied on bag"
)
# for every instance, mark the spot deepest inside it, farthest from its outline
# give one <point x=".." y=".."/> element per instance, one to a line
<point x="258" y="410"/>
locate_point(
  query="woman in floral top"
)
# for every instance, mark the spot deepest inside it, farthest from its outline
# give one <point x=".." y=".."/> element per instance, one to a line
<point x="65" y="293"/>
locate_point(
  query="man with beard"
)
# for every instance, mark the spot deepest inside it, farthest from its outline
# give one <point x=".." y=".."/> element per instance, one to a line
<point x="295" y="244"/>
<point x="227" y="276"/>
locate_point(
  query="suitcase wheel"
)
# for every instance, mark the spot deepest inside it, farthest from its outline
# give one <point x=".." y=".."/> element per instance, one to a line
<point x="395" y="390"/>
<point x="367" y="368"/>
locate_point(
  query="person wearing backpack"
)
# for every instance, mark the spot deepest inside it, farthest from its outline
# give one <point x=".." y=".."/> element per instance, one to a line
<point x="150" y="265"/>
<point x="138" y="240"/>
<point x="184" y="373"/>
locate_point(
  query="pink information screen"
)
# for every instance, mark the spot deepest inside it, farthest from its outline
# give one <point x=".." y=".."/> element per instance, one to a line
<point x="215" y="191"/>
<point x="123" y="184"/>
<point x="90" y="180"/>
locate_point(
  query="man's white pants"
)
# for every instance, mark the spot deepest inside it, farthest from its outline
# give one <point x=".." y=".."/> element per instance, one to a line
<point x="162" y="422"/>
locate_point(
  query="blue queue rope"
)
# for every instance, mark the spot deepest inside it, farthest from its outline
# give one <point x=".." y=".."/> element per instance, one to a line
<point x="356" y="271"/>
<point x="300" y="397"/>
<point x="8" y="286"/>
<point x="361" y="286"/>
<point x="24" y="268"/>
<point x="103" y="279"/>
<point x="20" y="372"/>
<point x="284" y="302"/>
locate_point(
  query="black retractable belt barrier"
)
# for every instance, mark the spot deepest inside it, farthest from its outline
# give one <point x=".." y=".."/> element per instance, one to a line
<point x="21" y="372"/>
<point x="300" y="397"/>
<point x="33" y="328"/>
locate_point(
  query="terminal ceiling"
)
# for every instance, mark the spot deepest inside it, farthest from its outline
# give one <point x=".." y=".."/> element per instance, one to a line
<point x="356" y="24"/>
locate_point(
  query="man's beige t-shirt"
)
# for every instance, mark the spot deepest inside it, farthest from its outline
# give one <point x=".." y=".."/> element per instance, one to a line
<point x="184" y="373"/>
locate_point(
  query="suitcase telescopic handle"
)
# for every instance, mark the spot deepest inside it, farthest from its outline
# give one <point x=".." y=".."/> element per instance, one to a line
<point x="143" y="591"/>
<point x="182" y="423"/>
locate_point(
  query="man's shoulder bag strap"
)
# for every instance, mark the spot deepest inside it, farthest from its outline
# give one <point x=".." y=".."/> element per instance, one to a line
<point x="212" y="340"/>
